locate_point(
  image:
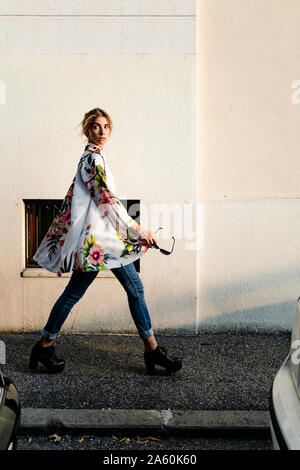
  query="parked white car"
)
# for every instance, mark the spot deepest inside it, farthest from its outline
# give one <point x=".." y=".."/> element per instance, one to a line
<point x="10" y="412"/>
<point x="285" y="396"/>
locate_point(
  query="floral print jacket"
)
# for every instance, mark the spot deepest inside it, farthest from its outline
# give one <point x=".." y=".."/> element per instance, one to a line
<point x="92" y="230"/>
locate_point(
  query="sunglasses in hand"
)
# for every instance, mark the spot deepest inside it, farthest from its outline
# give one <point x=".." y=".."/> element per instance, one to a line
<point x="164" y="252"/>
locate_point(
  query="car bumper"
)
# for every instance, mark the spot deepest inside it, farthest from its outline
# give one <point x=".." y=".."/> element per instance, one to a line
<point x="284" y="410"/>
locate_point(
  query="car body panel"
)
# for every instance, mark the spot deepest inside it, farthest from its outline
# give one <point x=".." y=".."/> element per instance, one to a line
<point x="9" y="412"/>
<point x="295" y="350"/>
<point x="285" y="410"/>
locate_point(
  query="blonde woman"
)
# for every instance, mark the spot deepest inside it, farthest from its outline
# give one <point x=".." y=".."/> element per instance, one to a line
<point x="94" y="232"/>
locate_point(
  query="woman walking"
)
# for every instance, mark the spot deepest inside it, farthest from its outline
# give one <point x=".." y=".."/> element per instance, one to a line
<point x="94" y="232"/>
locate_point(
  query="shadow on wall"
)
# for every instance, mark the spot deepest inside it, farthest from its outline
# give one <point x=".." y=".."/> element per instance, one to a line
<point x="252" y="303"/>
<point x="264" y="319"/>
<point x="268" y="318"/>
<point x="227" y="307"/>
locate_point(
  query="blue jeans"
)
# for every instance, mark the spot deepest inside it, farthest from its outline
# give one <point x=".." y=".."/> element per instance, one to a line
<point x="78" y="284"/>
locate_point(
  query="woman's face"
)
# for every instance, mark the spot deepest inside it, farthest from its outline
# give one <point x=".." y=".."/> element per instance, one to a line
<point x="100" y="131"/>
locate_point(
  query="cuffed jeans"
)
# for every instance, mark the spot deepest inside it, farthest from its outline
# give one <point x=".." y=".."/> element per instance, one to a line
<point x="78" y="284"/>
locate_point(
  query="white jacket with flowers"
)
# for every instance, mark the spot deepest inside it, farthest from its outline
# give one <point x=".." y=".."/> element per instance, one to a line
<point x="92" y="230"/>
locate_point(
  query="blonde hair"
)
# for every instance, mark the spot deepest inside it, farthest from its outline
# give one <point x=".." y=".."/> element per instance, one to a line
<point x="89" y="119"/>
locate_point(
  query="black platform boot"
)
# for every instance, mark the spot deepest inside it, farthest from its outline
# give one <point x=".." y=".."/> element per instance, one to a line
<point x="47" y="357"/>
<point x="160" y="357"/>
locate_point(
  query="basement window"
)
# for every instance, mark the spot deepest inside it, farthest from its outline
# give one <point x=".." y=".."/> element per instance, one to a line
<point x="39" y="214"/>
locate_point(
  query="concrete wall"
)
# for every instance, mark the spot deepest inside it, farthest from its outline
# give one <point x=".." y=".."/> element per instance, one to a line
<point x="249" y="168"/>
<point x="142" y="62"/>
<point x="136" y="59"/>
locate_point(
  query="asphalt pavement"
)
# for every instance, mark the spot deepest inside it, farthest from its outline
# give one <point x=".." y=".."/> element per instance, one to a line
<point x="225" y="382"/>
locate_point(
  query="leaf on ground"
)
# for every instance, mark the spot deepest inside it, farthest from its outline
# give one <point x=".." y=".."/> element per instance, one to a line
<point x="80" y="441"/>
<point x="55" y="437"/>
<point x="125" y="440"/>
<point x="114" y="437"/>
<point x="144" y="440"/>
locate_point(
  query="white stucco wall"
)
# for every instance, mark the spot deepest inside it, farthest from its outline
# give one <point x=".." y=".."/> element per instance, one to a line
<point x="136" y="59"/>
<point x="248" y="166"/>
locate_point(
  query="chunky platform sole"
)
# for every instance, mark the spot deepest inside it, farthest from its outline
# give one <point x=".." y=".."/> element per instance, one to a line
<point x="33" y="365"/>
<point x="150" y="367"/>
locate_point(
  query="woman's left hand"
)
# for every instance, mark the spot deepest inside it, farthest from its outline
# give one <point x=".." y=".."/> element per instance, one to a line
<point x="147" y="235"/>
<point x="151" y="240"/>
